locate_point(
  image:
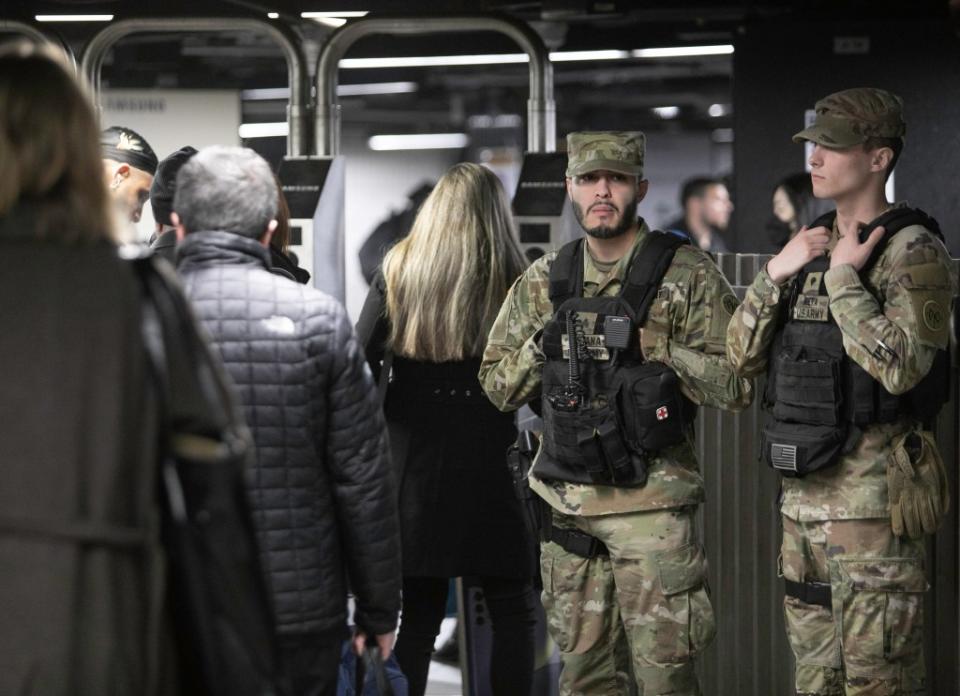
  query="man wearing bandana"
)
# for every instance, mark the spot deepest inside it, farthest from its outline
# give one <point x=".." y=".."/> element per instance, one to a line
<point x="129" y="164"/>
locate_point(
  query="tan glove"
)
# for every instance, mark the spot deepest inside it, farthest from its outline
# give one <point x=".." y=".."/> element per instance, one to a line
<point x="917" y="483"/>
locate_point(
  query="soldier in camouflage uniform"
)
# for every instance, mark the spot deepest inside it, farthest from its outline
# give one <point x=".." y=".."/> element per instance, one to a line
<point x="853" y="552"/>
<point x="639" y="613"/>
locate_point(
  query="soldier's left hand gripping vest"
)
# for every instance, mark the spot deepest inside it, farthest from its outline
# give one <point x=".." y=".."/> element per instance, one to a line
<point x="605" y="410"/>
<point x="818" y="398"/>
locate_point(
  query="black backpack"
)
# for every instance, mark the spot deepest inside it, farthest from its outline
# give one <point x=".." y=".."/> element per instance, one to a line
<point x="221" y="611"/>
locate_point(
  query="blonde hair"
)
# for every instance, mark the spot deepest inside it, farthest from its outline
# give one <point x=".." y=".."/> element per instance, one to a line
<point x="447" y="279"/>
<point x="50" y="162"/>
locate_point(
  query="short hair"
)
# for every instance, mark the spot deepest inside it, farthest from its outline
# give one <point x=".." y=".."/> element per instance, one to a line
<point x="229" y="189"/>
<point x="697" y="187"/>
<point x="895" y="144"/>
<point x="49" y="147"/>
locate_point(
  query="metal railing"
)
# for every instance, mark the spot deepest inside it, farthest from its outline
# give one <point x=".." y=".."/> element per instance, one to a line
<point x="298" y="108"/>
<point x="541" y="111"/>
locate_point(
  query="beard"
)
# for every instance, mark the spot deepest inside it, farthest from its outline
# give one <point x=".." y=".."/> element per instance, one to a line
<point x="628" y="217"/>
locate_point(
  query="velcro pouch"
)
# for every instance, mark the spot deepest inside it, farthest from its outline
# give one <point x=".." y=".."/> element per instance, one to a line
<point x="795" y="450"/>
<point x="654" y="409"/>
<point x="807" y="387"/>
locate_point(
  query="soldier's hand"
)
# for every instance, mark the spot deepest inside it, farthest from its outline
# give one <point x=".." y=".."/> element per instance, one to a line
<point x="850" y="250"/>
<point x="806" y="245"/>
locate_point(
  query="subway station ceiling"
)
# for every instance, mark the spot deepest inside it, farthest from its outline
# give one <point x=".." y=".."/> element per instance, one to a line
<point x="626" y="92"/>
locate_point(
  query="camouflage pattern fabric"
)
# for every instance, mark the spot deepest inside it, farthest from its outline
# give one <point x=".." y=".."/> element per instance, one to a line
<point x="870" y="643"/>
<point x="904" y="303"/>
<point x="616" y="151"/>
<point x="851" y="117"/>
<point x="685" y="329"/>
<point x="644" y="609"/>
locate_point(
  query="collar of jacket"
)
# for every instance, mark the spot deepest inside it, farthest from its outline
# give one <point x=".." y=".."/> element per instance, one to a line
<point x="220" y="249"/>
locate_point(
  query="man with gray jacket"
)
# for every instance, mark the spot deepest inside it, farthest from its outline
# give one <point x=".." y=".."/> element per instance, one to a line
<point x="322" y="489"/>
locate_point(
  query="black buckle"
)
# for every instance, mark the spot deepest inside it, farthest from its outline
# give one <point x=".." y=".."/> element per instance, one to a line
<point x="810" y="592"/>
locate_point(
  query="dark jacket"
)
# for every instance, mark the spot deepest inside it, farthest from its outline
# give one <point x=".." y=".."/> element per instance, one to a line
<point x="78" y="445"/>
<point x="322" y="489"/>
<point x="165" y="246"/>
<point x="458" y="512"/>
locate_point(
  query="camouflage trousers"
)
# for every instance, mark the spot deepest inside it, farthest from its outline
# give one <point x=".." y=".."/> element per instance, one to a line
<point x="870" y="642"/>
<point x="630" y="622"/>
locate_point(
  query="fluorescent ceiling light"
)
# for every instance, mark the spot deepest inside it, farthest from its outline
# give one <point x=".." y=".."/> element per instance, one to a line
<point x="334" y="22"/>
<point x="263" y="130"/>
<point x="433" y="61"/>
<point x="325" y="15"/>
<point x="269" y="93"/>
<point x="683" y="51"/>
<point x="273" y="15"/>
<point x="75" y="18"/>
<point x="419" y="141"/>
<point x="666" y="112"/>
<point x="376" y="88"/>
<point x="508" y="58"/>
<point x="717" y="110"/>
<point x="562" y="56"/>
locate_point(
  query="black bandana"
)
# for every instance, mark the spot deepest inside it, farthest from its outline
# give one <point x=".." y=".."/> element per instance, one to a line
<point x="126" y="145"/>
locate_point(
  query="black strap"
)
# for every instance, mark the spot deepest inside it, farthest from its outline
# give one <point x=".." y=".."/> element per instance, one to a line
<point x="810" y="592"/>
<point x="370" y="662"/>
<point x="576" y="542"/>
<point x="385" y="368"/>
<point x="566" y="273"/>
<point x="892" y="222"/>
<point x="647" y="270"/>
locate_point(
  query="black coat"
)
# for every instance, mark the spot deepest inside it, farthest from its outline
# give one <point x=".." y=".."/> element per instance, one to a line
<point x="458" y="512"/>
<point x="79" y="427"/>
<point x="322" y="490"/>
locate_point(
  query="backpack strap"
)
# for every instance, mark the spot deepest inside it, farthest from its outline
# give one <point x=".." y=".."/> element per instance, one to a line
<point x="566" y="273"/>
<point x="647" y="270"/>
<point x="892" y="222"/>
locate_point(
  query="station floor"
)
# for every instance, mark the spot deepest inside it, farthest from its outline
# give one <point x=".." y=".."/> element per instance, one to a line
<point x="444" y="680"/>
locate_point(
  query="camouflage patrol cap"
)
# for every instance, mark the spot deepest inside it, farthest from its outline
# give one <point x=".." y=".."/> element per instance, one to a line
<point x="618" y="151"/>
<point x="852" y="116"/>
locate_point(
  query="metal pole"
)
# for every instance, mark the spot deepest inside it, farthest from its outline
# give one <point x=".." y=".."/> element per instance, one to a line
<point x="298" y="110"/>
<point x="12" y="26"/>
<point x="541" y="111"/>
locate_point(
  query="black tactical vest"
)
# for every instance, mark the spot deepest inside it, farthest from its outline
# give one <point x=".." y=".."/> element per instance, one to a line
<point x="605" y="410"/>
<point x="818" y="398"/>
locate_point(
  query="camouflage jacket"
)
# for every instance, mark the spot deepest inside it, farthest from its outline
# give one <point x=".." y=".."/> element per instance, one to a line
<point x="904" y="302"/>
<point x="685" y="329"/>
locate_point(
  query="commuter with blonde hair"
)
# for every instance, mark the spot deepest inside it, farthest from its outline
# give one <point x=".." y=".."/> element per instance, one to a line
<point x="426" y="320"/>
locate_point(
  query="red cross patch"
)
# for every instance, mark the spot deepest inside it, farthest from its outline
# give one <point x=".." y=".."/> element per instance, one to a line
<point x="662" y="413"/>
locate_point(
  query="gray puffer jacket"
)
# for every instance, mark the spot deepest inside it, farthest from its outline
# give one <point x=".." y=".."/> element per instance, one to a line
<point x="322" y="491"/>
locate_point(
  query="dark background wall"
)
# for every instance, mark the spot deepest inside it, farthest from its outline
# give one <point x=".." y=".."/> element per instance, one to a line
<point x="781" y="68"/>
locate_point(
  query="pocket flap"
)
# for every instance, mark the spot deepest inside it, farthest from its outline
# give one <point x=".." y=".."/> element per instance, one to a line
<point x="885" y="574"/>
<point x="681" y="569"/>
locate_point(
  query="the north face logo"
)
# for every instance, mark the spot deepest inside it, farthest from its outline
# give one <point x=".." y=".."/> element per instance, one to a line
<point x="662" y="413"/>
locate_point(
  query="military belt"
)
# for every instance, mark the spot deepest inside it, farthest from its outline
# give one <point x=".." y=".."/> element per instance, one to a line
<point x="810" y="592"/>
<point x="577" y="542"/>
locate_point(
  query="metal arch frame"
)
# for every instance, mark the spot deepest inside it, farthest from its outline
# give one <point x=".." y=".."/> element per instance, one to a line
<point x="541" y="110"/>
<point x="13" y="26"/>
<point x="298" y="108"/>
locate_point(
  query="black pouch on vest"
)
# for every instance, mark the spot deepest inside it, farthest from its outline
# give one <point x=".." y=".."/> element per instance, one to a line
<point x="589" y="440"/>
<point x="654" y="409"/>
<point x="796" y="449"/>
<point x="807" y="387"/>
